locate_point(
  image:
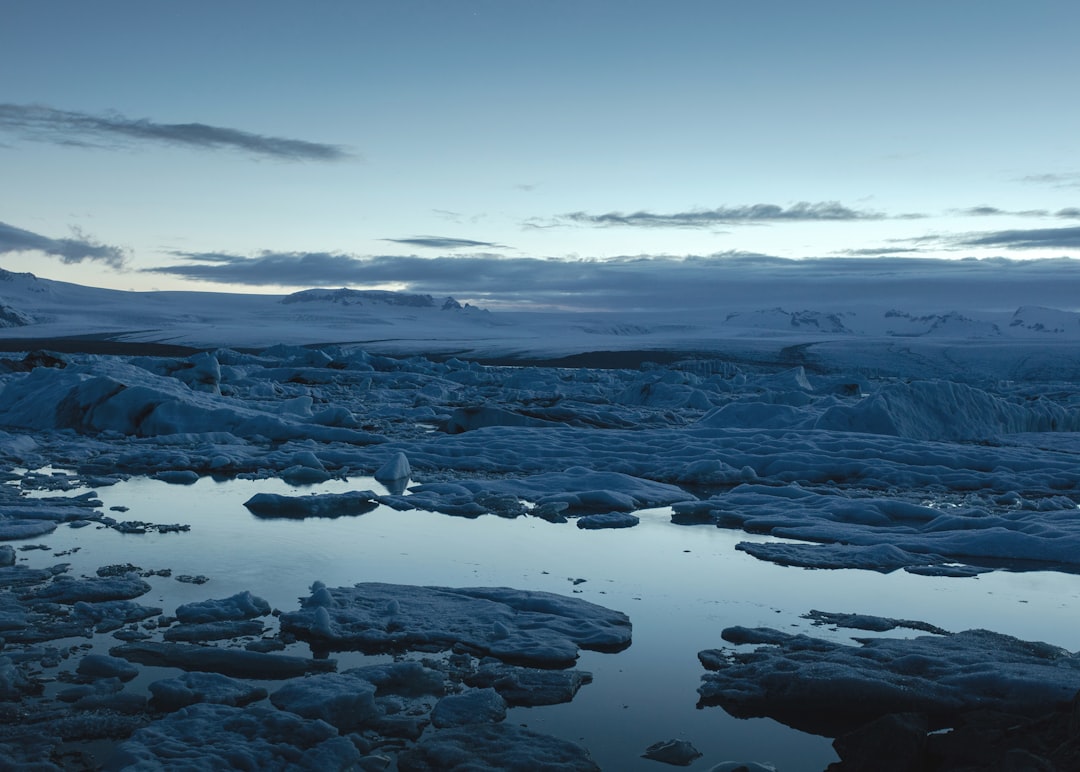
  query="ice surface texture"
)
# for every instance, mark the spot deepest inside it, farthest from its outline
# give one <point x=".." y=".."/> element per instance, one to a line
<point x="535" y="628"/>
<point x="828" y="688"/>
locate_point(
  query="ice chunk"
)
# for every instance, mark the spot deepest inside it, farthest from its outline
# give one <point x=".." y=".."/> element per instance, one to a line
<point x="396" y="468"/>
<point x="608" y="520"/>
<point x="238" y="663"/>
<point x="212" y="737"/>
<point x="676" y="752"/>
<point x="512" y="625"/>
<point x="104" y="666"/>
<point x="315" y="505"/>
<point x="243" y="605"/>
<point x="530" y="686"/>
<point x="939" y="410"/>
<point x="406" y="678"/>
<point x="13" y="684"/>
<point x="468" y="419"/>
<point x="484" y="747"/>
<point x="340" y="699"/>
<point x="214" y="631"/>
<point x="12" y="529"/>
<point x="178" y="476"/>
<point x="171" y="694"/>
<point x="69" y="590"/>
<point x="475" y="706"/>
<point x="829" y="688"/>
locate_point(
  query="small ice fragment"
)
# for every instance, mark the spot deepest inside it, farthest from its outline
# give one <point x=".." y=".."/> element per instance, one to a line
<point x="678" y="752"/>
<point x="322" y="622"/>
<point x="395" y="469"/>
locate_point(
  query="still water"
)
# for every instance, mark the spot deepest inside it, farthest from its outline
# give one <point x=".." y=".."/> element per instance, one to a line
<point x="680" y="585"/>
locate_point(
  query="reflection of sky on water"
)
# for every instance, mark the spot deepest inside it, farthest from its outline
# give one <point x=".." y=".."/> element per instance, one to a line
<point x="681" y="585"/>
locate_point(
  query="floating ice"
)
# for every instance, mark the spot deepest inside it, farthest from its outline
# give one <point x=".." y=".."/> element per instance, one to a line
<point x="237" y="663"/>
<point x="679" y="753"/>
<point x="484" y="747"/>
<point x="69" y="590"/>
<point x="608" y="520"/>
<point x="856" y="530"/>
<point x="210" y="737"/>
<point x="341" y="700"/>
<point x="536" y="628"/>
<point x="828" y="688"/>
<point x="243" y="605"/>
<point x="395" y="469"/>
<point x="475" y="706"/>
<point x="171" y="694"/>
<point x="314" y="505"/>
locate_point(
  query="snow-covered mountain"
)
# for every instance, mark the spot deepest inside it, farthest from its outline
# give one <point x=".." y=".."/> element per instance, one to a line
<point x="806" y="331"/>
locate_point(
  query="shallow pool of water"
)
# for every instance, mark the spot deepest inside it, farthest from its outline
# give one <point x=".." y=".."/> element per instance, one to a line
<point x="680" y="585"/>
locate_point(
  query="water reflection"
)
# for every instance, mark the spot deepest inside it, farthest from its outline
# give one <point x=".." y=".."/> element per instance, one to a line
<point x="680" y="585"/>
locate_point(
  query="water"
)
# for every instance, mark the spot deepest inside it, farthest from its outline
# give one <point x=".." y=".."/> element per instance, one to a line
<point x="680" y="585"/>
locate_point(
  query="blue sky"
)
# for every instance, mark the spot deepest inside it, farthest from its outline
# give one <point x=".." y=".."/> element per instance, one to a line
<point x="267" y="146"/>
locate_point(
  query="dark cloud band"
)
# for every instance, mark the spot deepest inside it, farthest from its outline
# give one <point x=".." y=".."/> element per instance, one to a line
<point x="658" y="283"/>
<point x="803" y="211"/>
<point x="1030" y="238"/>
<point x="72" y="250"/>
<point x="443" y="242"/>
<point x="74" y="128"/>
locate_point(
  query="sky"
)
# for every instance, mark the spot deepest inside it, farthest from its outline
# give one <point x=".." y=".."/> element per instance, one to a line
<point x="494" y="145"/>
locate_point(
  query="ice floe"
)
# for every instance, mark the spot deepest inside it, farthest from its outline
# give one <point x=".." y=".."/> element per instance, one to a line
<point x="533" y="628"/>
<point x="828" y="687"/>
<point x="212" y="737"/>
<point x="491" y="747"/>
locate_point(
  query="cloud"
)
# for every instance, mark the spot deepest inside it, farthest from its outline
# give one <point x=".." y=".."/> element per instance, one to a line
<point x="65" y="127"/>
<point x="295" y="269"/>
<point x="1031" y="238"/>
<point x="1065" y="180"/>
<point x="729" y="280"/>
<point x="72" y="250"/>
<point x="878" y="251"/>
<point x="442" y="242"/>
<point x="991" y="211"/>
<point x="804" y="211"/>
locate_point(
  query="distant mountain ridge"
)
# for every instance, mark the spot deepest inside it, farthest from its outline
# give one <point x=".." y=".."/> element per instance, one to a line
<point x="405" y="322"/>
<point x="349" y="297"/>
